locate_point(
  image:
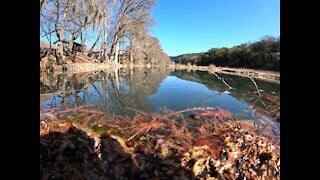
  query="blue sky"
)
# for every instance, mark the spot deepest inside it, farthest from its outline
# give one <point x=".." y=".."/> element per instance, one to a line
<point x="187" y="26"/>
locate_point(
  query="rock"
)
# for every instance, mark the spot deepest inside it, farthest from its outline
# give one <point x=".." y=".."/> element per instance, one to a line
<point x="195" y="116"/>
<point x="220" y="114"/>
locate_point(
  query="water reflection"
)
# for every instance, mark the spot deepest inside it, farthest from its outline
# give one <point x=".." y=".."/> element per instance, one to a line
<point x="109" y="91"/>
<point x="151" y="89"/>
<point x="243" y="91"/>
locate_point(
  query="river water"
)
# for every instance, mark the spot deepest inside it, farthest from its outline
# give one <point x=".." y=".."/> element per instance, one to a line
<point x="150" y="90"/>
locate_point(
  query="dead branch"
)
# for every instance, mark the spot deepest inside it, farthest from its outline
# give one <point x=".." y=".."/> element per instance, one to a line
<point x="73" y="109"/>
<point x="255" y="84"/>
<point x="223" y="81"/>
<point x="131" y="137"/>
<point x="90" y="111"/>
<point x="138" y="111"/>
<point x="88" y="119"/>
<point x="188" y="110"/>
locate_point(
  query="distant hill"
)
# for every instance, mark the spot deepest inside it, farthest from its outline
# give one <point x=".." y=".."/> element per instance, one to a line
<point x="185" y="58"/>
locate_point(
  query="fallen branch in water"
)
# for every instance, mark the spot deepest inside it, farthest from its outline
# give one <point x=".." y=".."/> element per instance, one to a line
<point x="80" y="109"/>
<point x="138" y="111"/>
<point x="104" y="116"/>
<point x="91" y="111"/>
<point x="223" y="81"/>
<point x="88" y="119"/>
<point x="188" y="110"/>
<point x="255" y="84"/>
<point x="73" y="109"/>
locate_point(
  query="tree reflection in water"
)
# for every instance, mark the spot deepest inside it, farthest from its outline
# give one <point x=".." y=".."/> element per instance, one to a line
<point x="121" y="90"/>
<point x="109" y="91"/>
<point x="113" y="91"/>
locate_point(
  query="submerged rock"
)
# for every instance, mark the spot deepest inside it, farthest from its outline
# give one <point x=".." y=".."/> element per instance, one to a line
<point x="195" y="116"/>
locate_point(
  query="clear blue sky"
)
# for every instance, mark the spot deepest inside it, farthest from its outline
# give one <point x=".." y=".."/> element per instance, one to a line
<point x="187" y="26"/>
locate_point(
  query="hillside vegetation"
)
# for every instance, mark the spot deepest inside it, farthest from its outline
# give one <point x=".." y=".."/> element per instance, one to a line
<point x="263" y="54"/>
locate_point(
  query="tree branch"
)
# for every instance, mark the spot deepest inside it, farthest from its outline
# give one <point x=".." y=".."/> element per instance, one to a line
<point x="255" y="84"/>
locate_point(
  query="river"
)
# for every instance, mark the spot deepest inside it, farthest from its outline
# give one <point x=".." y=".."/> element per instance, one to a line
<point x="150" y="90"/>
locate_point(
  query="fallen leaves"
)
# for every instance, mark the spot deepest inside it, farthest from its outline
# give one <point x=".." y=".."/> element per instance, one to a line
<point x="213" y="145"/>
<point x="241" y="154"/>
<point x="159" y="145"/>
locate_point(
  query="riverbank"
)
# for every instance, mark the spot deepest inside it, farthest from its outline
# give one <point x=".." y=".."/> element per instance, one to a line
<point x="83" y="66"/>
<point x="91" y="144"/>
<point x="269" y="76"/>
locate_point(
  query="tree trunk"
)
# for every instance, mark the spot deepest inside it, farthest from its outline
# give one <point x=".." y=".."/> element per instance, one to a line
<point x="131" y="54"/>
<point x="131" y="72"/>
<point x="115" y="44"/>
<point x="94" y="44"/>
<point x="116" y="54"/>
<point x="50" y="42"/>
<point x="69" y="47"/>
<point x="117" y="79"/>
<point x="60" y="55"/>
<point x="83" y="39"/>
<point x="131" y="58"/>
<point x="105" y="52"/>
<point x="74" y="37"/>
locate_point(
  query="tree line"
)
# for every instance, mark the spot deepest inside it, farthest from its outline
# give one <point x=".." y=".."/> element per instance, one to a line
<point x="108" y="29"/>
<point x="263" y="54"/>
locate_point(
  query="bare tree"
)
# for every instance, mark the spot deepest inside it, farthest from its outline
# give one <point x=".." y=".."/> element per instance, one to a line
<point x="106" y="23"/>
<point x="129" y="13"/>
<point x="42" y="3"/>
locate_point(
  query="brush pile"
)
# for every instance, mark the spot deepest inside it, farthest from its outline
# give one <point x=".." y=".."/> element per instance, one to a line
<point x="162" y="145"/>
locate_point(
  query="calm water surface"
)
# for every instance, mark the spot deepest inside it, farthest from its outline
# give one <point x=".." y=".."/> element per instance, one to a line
<point x="152" y="89"/>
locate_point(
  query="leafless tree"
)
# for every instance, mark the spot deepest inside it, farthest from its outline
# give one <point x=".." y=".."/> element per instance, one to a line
<point x="107" y="23"/>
